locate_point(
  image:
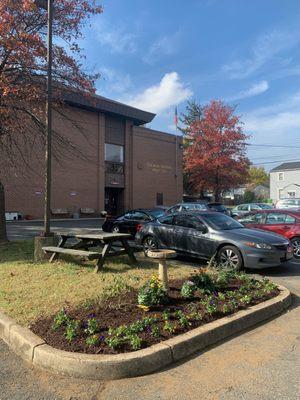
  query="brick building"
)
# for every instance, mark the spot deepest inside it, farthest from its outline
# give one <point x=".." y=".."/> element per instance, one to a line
<point x="117" y="163"/>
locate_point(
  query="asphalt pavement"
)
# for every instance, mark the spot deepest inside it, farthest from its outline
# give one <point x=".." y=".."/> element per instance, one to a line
<point x="262" y="363"/>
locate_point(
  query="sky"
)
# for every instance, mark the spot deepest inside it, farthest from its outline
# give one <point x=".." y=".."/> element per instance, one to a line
<point x="159" y="54"/>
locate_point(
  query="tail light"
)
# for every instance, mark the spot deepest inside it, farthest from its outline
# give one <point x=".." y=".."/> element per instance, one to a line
<point x="139" y="227"/>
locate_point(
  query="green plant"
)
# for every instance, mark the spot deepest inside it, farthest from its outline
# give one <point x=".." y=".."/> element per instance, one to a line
<point x="92" y="340"/>
<point x="60" y="319"/>
<point x="169" y="327"/>
<point x="92" y="326"/>
<point x="166" y="315"/>
<point x="155" y="331"/>
<point x="246" y="299"/>
<point x="72" y="330"/>
<point x="188" y="289"/>
<point x="135" y="341"/>
<point x="182" y="318"/>
<point x="203" y="282"/>
<point x="152" y="293"/>
<point x="114" y="342"/>
<point x="225" y="309"/>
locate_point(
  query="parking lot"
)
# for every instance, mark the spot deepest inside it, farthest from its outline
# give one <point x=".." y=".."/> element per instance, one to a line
<point x="260" y="364"/>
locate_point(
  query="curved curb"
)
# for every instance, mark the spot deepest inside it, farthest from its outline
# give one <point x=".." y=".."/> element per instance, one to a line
<point x="34" y="349"/>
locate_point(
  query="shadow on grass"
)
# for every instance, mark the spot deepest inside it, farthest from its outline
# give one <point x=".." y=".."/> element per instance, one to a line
<point x="20" y="251"/>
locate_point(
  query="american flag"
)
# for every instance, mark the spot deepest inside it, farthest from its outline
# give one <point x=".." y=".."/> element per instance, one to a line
<point x="176" y="118"/>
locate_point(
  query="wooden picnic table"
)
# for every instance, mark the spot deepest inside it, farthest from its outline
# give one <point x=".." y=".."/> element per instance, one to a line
<point x="109" y="242"/>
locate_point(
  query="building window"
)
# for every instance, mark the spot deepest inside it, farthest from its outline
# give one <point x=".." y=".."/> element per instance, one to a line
<point x="280" y="193"/>
<point x="114" y="153"/>
<point x="159" y="199"/>
<point x="280" y="176"/>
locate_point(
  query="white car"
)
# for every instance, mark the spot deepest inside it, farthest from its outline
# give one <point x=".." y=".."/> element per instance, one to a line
<point x="288" y="203"/>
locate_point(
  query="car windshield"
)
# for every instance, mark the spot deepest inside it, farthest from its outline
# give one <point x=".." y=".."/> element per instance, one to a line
<point x="221" y="222"/>
<point x="156" y="213"/>
<point x="194" y="206"/>
<point x="265" y="206"/>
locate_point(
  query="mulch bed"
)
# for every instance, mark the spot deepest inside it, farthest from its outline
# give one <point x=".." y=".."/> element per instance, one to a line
<point x="123" y="310"/>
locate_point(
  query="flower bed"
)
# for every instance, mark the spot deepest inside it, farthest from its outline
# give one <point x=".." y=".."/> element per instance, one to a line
<point x="140" y="318"/>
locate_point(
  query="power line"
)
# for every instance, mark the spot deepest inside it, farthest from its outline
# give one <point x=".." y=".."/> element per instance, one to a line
<point x="272" y="145"/>
<point x="274" y="162"/>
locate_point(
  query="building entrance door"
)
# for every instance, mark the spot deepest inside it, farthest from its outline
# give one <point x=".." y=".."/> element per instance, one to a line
<point x="114" y="200"/>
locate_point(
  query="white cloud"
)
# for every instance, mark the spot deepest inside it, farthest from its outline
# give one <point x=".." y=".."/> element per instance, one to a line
<point x="113" y="81"/>
<point x="169" y="92"/>
<point x="254" y="90"/>
<point x="266" y="48"/>
<point x="164" y="46"/>
<point x="118" y="40"/>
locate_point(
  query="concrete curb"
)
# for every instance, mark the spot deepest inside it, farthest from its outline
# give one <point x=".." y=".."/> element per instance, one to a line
<point x="34" y="350"/>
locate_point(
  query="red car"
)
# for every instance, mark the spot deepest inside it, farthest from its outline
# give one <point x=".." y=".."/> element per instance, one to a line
<point x="284" y="222"/>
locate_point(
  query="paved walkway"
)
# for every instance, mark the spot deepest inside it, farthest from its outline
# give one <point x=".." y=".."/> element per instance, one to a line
<point x="261" y="364"/>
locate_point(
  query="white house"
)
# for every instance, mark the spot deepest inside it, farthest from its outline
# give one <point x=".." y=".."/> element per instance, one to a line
<point x="285" y="181"/>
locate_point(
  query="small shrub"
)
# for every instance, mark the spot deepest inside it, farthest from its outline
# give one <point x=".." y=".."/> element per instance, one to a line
<point x="92" y="340"/>
<point x="152" y="293"/>
<point x="114" y="342"/>
<point x="155" y="331"/>
<point x="72" y="330"/>
<point x="203" y="282"/>
<point x="182" y="318"/>
<point x="92" y="326"/>
<point x="60" y="319"/>
<point x="169" y="327"/>
<point x="135" y="342"/>
<point x="188" y="289"/>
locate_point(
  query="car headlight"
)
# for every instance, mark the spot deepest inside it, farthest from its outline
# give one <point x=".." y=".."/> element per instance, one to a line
<point x="265" y="246"/>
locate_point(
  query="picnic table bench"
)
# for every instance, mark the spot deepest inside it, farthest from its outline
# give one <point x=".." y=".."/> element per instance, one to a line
<point x="108" y="242"/>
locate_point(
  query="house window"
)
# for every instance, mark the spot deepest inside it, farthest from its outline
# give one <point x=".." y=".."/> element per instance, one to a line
<point x="159" y="199"/>
<point x="114" y="153"/>
<point x="280" y="176"/>
<point x="291" y="194"/>
<point x="280" y="194"/>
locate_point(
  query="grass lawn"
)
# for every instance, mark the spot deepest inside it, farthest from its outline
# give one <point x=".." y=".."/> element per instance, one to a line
<point x="29" y="290"/>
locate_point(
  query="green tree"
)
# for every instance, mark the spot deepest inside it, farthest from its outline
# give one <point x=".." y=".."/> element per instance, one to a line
<point x="192" y="114"/>
<point x="258" y="176"/>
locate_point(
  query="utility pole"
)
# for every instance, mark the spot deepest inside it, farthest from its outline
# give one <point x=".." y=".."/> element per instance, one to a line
<point x="48" y="5"/>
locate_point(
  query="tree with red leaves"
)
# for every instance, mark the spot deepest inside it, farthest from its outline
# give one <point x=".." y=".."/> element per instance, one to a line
<point x="216" y="156"/>
<point x="23" y="71"/>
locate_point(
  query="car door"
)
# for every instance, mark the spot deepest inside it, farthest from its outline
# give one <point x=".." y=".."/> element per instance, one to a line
<point x="190" y="238"/>
<point x="165" y="231"/>
<point x="280" y="223"/>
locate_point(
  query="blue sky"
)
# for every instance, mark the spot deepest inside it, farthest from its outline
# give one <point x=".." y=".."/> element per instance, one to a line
<point x="158" y="54"/>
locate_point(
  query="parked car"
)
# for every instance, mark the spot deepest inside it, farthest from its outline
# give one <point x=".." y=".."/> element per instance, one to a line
<point x="283" y="222"/>
<point x="128" y="222"/>
<point x="288" y="203"/>
<point x="208" y="234"/>
<point x="187" y="207"/>
<point x="219" y="207"/>
<point x="242" y="209"/>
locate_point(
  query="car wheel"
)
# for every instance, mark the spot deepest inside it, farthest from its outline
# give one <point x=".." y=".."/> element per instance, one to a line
<point x="149" y="243"/>
<point x="230" y="256"/>
<point x="115" y="229"/>
<point x="296" y="246"/>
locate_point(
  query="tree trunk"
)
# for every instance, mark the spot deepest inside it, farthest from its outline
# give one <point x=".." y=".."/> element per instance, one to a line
<point x="3" y="234"/>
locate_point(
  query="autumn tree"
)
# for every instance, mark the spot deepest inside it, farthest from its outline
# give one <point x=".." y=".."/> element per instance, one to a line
<point x="258" y="176"/>
<point x="23" y="70"/>
<point x="216" y="156"/>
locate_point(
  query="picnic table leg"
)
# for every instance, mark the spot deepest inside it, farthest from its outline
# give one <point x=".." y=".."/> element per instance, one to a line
<point x="129" y="251"/>
<point x="103" y="256"/>
<point x="61" y="243"/>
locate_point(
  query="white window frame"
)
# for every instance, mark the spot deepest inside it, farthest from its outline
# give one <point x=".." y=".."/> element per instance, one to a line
<point x="280" y="190"/>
